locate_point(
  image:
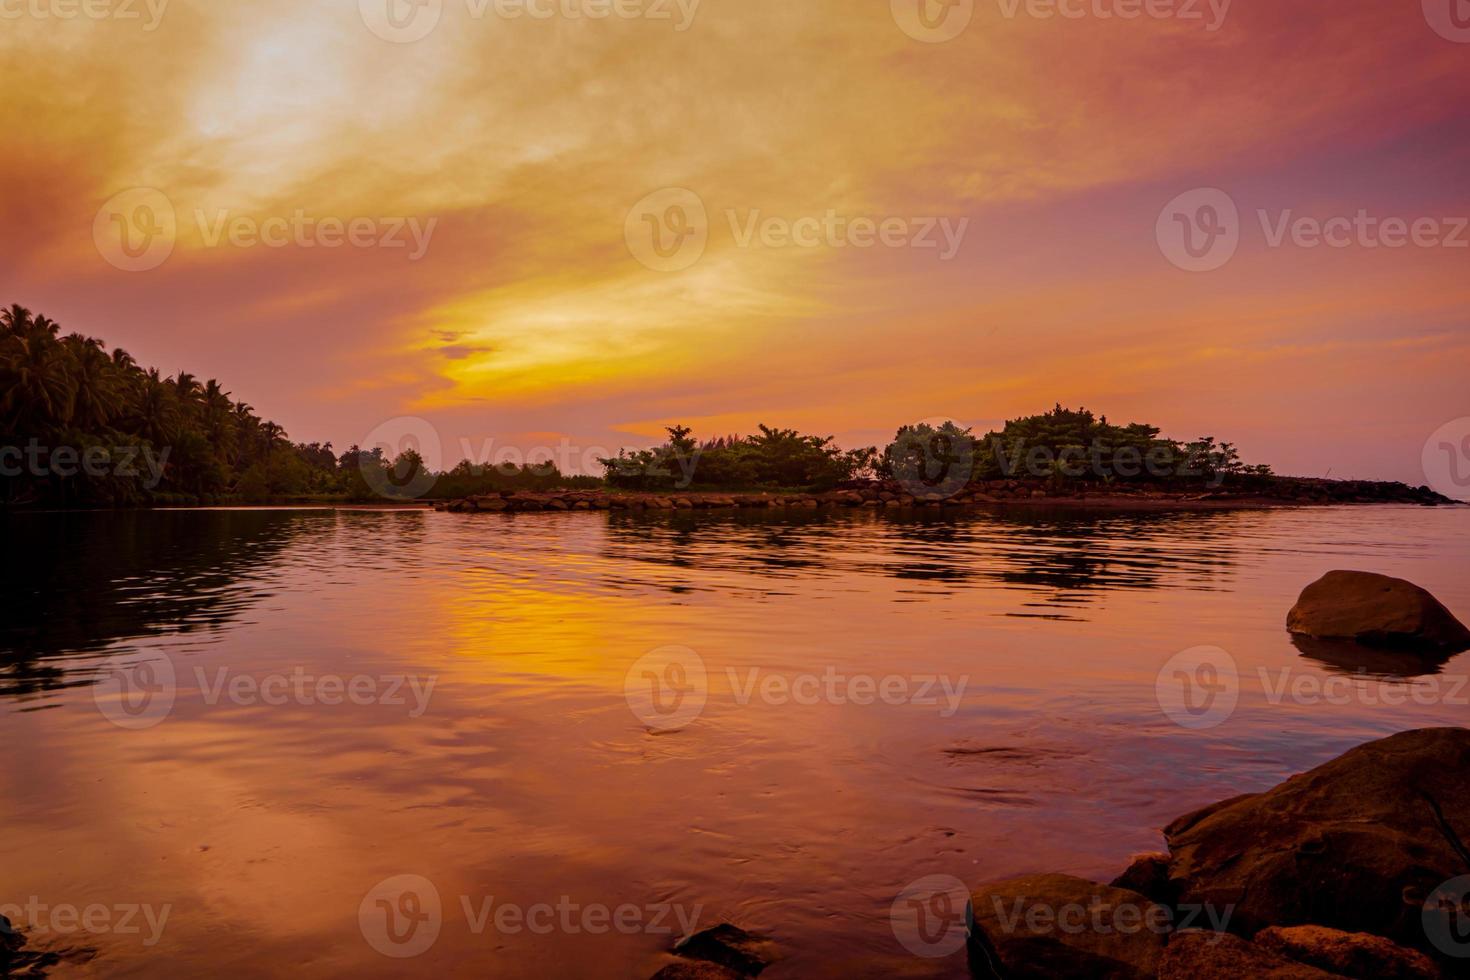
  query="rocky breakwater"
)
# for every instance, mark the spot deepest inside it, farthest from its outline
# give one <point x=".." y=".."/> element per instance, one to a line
<point x="1358" y="868"/>
<point x="570" y="500"/>
<point x="892" y="494"/>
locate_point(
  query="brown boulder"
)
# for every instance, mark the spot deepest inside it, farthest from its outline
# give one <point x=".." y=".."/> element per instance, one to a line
<point x="1376" y="610"/>
<point x="1351" y="954"/>
<point x="1197" y="955"/>
<point x="1058" y="926"/>
<point x="729" y="946"/>
<point x="1357" y="844"/>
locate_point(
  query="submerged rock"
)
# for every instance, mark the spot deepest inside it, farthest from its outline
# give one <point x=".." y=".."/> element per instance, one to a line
<point x="1197" y="955"/>
<point x="695" y="970"/>
<point x="1059" y="926"/>
<point x="729" y="946"/>
<point x="1349" y="954"/>
<point x="1357" y="844"/>
<point x="1376" y="610"/>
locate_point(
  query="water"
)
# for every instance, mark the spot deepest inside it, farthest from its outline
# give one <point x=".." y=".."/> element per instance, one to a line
<point x="263" y="824"/>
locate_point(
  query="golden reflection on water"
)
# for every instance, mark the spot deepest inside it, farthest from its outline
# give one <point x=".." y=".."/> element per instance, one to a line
<point x="529" y="779"/>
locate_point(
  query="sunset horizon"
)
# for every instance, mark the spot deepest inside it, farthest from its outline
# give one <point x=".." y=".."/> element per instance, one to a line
<point x="491" y="286"/>
<point x="731" y="489"/>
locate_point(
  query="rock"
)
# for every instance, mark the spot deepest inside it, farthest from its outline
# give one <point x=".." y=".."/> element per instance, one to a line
<point x="1351" y="954"/>
<point x="1149" y="876"/>
<point x="1357" y="844"/>
<point x="695" y="970"/>
<point x="729" y="946"/>
<point x="1376" y="610"/>
<point x="1046" y="926"/>
<point x="1196" y="955"/>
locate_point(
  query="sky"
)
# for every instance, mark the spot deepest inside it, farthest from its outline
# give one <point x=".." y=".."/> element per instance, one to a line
<point x="536" y="230"/>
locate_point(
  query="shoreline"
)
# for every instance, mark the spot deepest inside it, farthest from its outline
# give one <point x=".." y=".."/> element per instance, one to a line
<point x="892" y="497"/>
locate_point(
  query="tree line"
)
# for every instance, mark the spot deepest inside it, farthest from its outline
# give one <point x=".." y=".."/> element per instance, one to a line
<point x="82" y="425"/>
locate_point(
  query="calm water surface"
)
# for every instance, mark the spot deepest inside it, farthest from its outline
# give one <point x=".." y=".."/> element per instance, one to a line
<point x="528" y="779"/>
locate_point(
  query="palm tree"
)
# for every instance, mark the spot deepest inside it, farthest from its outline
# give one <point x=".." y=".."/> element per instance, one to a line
<point x="100" y="397"/>
<point x="156" y="412"/>
<point x="39" y="390"/>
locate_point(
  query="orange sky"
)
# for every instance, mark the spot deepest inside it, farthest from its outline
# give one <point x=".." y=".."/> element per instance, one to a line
<point x="521" y="148"/>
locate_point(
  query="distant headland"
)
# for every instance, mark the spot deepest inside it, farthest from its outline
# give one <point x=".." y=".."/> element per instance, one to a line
<point x="82" y="426"/>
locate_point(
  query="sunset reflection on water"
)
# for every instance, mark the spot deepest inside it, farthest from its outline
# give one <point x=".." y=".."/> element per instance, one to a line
<point x="528" y="779"/>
